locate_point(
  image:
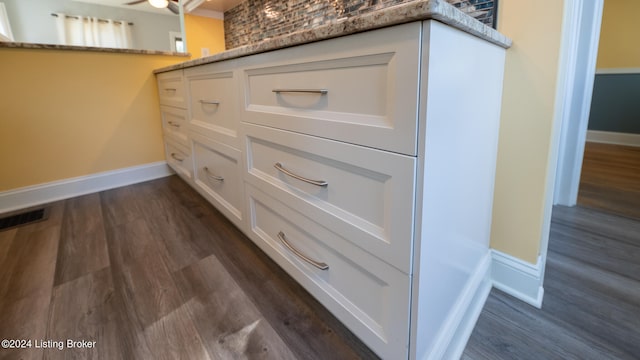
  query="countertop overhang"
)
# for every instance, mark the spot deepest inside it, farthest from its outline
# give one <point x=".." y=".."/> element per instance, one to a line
<point x="22" y="45"/>
<point x="438" y="10"/>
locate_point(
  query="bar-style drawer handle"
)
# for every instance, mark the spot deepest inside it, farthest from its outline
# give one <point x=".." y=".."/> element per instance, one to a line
<point x="307" y="91"/>
<point x="319" y="265"/>
<point x="287" y="172"/>
<point x="210" y="102"/>
<point x="174" y="124"/>
<point x="170" y="89"/>
<point x="212" y="176"/>
<point x="176" y="157"/>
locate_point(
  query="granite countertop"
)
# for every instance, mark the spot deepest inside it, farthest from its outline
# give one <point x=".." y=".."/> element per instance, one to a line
<point x="439" y="10"/>
<point x="21" y="45"/>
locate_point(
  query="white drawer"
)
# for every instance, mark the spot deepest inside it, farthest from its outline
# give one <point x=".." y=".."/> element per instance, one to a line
<point x="367" y="295"/>
<point x="360" y="89"/>
<point x="218" y="176"/>
<point x="171" y="89"/>
<point x="213" y="96"/>
<point x="179" y="158"/>
<point x="368" y="198"/>
<point x="174" y="123"/>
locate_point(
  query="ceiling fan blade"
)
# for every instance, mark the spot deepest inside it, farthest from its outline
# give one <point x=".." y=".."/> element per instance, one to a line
<point x="135" y="2"/>
<point x="173" y="7"/>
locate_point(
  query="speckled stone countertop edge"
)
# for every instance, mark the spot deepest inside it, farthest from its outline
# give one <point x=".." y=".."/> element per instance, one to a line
<point x="439" y="10"/>
<point x="21" y="45"/>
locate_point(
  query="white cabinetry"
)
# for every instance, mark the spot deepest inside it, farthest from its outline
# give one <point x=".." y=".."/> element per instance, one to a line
<point x="366" y="167"/>
<point x="171" y="89"/>
<point x="361" y="89"/>
<point x="173" y="111"/>
<point x="199" y="114"/>
<point x="213" y="101"/>
<point x="218" y="176"/>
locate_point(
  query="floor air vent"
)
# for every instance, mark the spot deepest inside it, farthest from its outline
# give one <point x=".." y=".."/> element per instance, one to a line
<point x="23" y="218"/>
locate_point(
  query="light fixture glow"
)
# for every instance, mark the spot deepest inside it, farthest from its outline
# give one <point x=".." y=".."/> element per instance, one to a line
<point x="159" y="3"/>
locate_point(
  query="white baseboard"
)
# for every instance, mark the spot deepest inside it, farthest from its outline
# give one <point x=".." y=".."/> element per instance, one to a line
<point x="518" y="278"/>
<point x="63" y="189"/>
<point x="458" y="328"/>
<point x="608" y="71"/>
<point x="608" y="137"/>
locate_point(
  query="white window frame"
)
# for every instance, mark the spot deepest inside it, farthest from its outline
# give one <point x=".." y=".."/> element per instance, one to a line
<point x="173" y="36"/>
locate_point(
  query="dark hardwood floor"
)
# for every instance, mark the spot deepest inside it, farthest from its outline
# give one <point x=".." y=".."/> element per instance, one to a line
<point x="610" y="179"/>
<point x="591" y="306"/>
<point x="152" y="271"/>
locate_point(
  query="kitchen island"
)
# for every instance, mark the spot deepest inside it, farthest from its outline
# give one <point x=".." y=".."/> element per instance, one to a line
<point x="360" y="156"/>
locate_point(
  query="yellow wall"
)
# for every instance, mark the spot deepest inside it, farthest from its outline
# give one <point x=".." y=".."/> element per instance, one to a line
<point x="526" y="125"/>
<point x="203" y="32"/>
<point x="618" y="35"/>
<point x="71" y="113"/>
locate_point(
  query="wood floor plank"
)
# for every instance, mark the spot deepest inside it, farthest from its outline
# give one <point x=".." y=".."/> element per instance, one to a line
<point x="25" y="318"/>
<point x="185" y="239"/>
<point x="175" y="337"/>
<point x="84" y="309"/>
<point x="507" y="330"/>
<point x="120" y="206"/>
<point x="6" y="238"/>
<point x="214" y="300"/>
<point x="610" y="179"/>
<point x="622" y="288"/>
<point x="614" y="326"/>
<point x="140" y="273"/>
<point x="29" y="266"/>
<point x="83" y="245"/>
<point x="620" y="228"/>
<point x="26" y="283"/>
<point x="614" y="249"/>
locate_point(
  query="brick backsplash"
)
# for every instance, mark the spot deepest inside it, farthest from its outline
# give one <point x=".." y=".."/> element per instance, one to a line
<point x="255" y="20"/>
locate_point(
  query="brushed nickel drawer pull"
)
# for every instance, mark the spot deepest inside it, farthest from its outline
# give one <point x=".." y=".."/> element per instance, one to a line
<point x="211" y="176"/>
<point x="176" y="157"/>
<point x="307" y="91"/>
<point x="210" y="102"/>
<point x="174" y="124"/>
<point x="287" y="172"/>
<point x="319" y="265"/>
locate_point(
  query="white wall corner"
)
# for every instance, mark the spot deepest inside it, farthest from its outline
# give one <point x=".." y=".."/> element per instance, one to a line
<point x="616" y="138"/>
<point x="518" y="278"/>
<point x="64" y="189"/>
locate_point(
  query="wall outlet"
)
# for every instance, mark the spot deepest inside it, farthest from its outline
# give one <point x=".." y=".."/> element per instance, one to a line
<point x="204" y="52"/>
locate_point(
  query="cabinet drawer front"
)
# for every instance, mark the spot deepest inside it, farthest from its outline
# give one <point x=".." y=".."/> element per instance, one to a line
<point x="174" y="124"/>
<point x="361" y="89"/>
<point x="213" y="103"/>
<point x="218" y="175"/>
<point x="366" y="294"/>
<point x="368" y="197"/>
<point x="179" y="159"/>
<point x="171" y="89"/>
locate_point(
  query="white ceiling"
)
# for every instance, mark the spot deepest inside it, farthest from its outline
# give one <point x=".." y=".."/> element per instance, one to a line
<point x="211" y="5"/>
<point x="145" y="6"/>
<point x="219" y="5"/>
